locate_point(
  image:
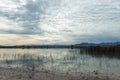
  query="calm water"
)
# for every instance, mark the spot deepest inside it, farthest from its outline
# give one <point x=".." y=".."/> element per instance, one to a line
<point x="72" y="60"/>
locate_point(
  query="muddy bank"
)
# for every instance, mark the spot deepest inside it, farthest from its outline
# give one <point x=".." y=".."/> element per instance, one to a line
<point x="27" y="74"/>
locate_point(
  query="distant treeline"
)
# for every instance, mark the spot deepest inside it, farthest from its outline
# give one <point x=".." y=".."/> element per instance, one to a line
<point x="115" y="48"/>
<point x="39" y="46"/>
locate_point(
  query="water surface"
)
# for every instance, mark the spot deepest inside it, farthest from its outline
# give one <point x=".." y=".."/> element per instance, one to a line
<point x="72" y="60"/>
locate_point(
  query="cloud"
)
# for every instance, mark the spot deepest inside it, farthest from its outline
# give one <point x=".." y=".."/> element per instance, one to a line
<point x="28" y="13"/>
<point x="8" y="26"/>
<point x="63" y="21"/>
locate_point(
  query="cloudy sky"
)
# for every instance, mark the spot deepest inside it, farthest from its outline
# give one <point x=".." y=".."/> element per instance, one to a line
<point x="59" y="21"/>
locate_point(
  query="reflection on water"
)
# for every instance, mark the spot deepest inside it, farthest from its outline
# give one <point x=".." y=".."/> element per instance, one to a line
<point x="74" y="60"/>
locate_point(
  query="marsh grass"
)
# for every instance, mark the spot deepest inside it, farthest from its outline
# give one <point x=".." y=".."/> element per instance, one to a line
<point x="34" y="63"/>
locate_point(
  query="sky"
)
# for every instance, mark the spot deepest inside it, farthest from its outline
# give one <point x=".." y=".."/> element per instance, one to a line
<point x="59" y="21"/>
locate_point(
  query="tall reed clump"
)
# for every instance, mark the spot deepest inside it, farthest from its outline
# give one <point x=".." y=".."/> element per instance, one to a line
<point x="28" y="61"/>
<point x="53" y="69"/>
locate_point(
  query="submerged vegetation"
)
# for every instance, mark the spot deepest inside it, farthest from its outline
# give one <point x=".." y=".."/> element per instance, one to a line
<point x="108" y="51"/>
<point x="59" y="64"/>
<point x="104" y="49"/>
<point x="51" y="62"/>
<point x="51" y="66"/>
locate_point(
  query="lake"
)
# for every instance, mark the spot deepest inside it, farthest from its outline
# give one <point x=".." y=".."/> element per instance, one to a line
<point x="63" y="60"/>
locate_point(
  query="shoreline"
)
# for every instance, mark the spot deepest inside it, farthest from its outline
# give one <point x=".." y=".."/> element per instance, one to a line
<point x="9" y="73"/>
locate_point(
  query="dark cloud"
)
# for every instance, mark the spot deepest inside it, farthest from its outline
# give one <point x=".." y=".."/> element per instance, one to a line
<point x="29" y="16"/>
